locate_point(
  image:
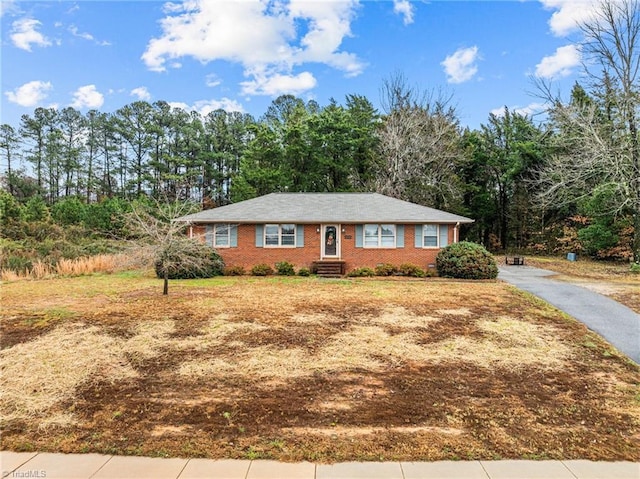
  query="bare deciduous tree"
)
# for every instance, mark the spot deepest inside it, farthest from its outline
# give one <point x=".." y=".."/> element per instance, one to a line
<point x="419" y="145"/>
<point x="598" y="143"/>
<point x="159" y="240"/>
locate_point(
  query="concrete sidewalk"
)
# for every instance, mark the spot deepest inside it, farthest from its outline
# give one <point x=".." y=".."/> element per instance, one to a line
<point x="613" y="321"/>
<point x="97" y="466"/>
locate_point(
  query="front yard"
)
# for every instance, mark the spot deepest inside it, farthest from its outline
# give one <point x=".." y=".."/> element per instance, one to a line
<point x="307" y="369"/>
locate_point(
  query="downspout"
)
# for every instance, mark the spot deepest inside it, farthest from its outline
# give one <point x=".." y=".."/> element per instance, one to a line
<point x="191" y="231"/>
<point x="456" y="232"/>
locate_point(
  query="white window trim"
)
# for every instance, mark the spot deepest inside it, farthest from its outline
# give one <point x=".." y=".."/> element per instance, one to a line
<point x="279" y="245"/>
<point x="437" y="225"/>
<point x="215" y="235"/>
<point x="379" y="245"/>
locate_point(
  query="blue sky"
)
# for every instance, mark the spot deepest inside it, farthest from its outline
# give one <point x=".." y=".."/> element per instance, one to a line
<point x="242" y="54"/>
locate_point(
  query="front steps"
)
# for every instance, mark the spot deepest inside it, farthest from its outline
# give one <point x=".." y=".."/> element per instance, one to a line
<point x="329" y="268"/>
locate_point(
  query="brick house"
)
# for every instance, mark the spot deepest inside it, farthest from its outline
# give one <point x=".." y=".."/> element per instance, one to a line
<point x="343" y="230"/>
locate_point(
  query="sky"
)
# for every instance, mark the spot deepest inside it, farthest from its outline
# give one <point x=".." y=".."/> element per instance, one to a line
<point x="240" y="55"/>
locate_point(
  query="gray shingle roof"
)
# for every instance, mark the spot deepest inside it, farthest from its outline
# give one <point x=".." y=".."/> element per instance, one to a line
<point x="324" y="208"/>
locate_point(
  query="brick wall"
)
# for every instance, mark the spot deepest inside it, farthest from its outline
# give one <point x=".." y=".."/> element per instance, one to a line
<point x="248" y="255"/>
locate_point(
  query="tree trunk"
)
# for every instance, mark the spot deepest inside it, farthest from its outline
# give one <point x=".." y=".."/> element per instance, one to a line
<point x="635" y="185"/>
<point x="165" y="289"/>
<point x="636" y="231"/>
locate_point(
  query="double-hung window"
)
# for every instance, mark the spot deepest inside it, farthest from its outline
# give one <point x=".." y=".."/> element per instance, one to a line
<point x="221" y="235"/>
<point x="379" y="236"/>
<point x="430" y="236"/>
<point x="280" y="235"/>
<point x="433" y="236"/>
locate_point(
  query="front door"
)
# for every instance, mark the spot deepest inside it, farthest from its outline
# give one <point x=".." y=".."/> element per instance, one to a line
<point x="330" y="241"/>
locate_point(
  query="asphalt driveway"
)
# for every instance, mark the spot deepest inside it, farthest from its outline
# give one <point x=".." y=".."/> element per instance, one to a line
<point x="613" y="321"/>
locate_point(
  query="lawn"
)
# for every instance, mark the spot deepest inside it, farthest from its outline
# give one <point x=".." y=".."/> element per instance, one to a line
<point x="308" y="369"/>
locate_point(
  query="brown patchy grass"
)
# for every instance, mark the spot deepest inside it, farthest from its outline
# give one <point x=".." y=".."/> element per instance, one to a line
<point x="607" y="278"/>
<point x="305" y="369"/>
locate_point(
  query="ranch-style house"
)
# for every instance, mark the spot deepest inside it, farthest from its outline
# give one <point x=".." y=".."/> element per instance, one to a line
<point x="334" y="232"/>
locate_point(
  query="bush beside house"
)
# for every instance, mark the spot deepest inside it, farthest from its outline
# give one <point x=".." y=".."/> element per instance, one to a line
<point x="466" y="260"/>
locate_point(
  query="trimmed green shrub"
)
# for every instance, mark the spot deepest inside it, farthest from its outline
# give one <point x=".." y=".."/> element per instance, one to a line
<point x="411" y="270"/>
<point x="386" y="269"/>
<point x="234" y="271"/>
<point x="284" y="268"/>
<point x="635" y="268"/>
<point x="262" y="269"/>
<point x="466" y="260"/>
<point x="188" y="259"/>
<point x="304" y="272"/>
<point x="361" y="272"/>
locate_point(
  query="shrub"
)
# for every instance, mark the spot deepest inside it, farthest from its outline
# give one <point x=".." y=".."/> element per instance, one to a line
<point x="9" y="206"/>
<point x="635" y="268"/>
<point x="188" y="259"/>
<point x="361" y="272"/>
<point x="107" y="216"/>
<point x="284" y="268"/>
<point x="412" y="270"/>
<point x="597" y="237"/>
<point x="430" y="272"/>
<point x="304" y="272"/>
<point x="69" y="211"/>
<point x="262" y="269"/>
<point x="36" y="210"/>
<point x="234" y="271"/>
<point x="466" y="260"/>
<point x="386" y="269"/>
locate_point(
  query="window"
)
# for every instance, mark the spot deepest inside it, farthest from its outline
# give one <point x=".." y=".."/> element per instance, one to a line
<point x="430" y="236"/>
<point x="379" y="236"/>
<point x="279" y="235"/>
<point x="221" y="235"/>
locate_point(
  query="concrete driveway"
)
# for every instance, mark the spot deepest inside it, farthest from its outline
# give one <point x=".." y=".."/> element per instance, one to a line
<point x="613" y="321"/>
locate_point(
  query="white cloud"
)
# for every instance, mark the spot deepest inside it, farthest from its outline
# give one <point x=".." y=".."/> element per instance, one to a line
<point x="24" y="34"/>
<point x="212" y="80"/>
<point x="86" y="36"/>
<point x="74" y="31"/>
<point x="529" y="110"/>
<point x="277" y="84"/>
<point x="461" y="65"/>
<point x="560" y="64"/>
<point x="329" y="22"/>
<point x="9" y="6"/>
<point x="87" y="97"/>
<point x="142" y="93"/>
<point x="204" y="107"/>
<point x="569" y="14"/>
<point x="29" y="94"/>
<point x="404" y="8"/>
<point x="261" y="36"/>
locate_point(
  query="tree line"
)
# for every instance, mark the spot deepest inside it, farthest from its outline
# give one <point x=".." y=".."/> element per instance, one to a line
<point x="570" y="182"/>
